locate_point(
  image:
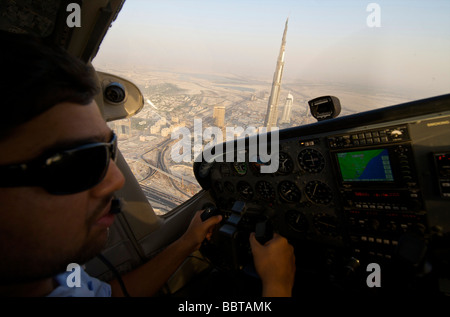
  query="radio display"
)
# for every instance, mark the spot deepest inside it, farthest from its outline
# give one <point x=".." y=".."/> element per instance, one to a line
<point x="365" y="166"/>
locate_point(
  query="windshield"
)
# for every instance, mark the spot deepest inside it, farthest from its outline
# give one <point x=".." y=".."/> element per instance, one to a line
<point x="231" y="63"/>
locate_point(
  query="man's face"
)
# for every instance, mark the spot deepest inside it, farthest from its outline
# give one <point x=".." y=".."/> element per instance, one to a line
<point x="40" y="233"/>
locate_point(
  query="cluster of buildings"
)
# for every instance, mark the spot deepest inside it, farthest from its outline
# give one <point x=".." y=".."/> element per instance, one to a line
<point x="179" y="110"/>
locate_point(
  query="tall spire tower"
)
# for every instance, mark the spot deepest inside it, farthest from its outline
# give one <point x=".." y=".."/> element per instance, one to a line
<point x="272" y="107"/>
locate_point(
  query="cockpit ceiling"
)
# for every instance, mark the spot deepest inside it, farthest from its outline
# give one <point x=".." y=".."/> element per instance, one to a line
<point x="31" y="17"/>
<point x="49" y="20"/>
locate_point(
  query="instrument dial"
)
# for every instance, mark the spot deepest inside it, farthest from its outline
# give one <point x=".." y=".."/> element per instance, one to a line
<point x="286" y="165"/>
<point x="265" y="190"/>
<point x="311" y="160"/>
<point x="297" y="220"/>
<point x="318" y="192"/>
<point x="240" y="168"/>
<point x="245" y="190"/>
<point x="326" y="224"/>
<point x="289" y="191"/>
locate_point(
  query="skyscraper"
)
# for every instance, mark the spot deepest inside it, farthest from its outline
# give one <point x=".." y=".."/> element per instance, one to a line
<point x="219" y="117"/>
<point x="286" y="116"/>
<point x="272" y="107"/>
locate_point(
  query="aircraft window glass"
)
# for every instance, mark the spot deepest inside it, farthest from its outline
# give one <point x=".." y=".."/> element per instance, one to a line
<point x="215" y="61"/>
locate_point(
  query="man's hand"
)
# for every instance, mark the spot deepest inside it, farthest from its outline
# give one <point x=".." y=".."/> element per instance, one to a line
<point x="198" y="230"/>
<point x="147" y="279"/>
<point x="275" y="264"/>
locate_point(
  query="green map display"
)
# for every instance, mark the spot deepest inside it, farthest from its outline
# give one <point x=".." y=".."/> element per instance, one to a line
<point x="369" y="165"/>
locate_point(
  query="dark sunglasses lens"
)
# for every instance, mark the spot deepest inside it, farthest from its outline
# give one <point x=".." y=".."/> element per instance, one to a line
<point x="77" y="171"/>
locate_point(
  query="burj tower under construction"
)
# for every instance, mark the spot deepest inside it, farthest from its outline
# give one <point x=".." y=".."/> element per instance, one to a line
<point x="272" y="107"/>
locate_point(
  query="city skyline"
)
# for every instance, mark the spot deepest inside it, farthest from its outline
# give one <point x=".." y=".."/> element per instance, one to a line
<point x="214" y="60"/>
<point x="328" y="41"/>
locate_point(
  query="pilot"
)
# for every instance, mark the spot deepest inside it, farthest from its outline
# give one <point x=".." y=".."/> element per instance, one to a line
<point x="57" y="180"/>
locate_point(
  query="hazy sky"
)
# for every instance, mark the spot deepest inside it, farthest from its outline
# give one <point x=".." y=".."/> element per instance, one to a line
<point x="327" y="40"/>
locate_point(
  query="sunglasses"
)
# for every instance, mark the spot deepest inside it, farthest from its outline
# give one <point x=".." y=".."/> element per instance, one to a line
<point x="66" y="172"/>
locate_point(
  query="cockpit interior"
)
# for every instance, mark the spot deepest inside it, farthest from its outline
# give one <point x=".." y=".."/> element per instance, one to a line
<point x="364" y="198"/>
<point x="348" y="192"/>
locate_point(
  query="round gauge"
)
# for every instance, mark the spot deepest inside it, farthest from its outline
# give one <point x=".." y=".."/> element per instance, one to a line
<point x="240" y="168"/>
<point x="311" y="160"/>
<point x="318" y="192"/>
<point x="286" y="165"/>
<point x="245" y="190"/>
<point x="326" y="224"/>
<point x="296" y="220"/>
<point x="265" y="190"/>
<point x="289" y="191"/>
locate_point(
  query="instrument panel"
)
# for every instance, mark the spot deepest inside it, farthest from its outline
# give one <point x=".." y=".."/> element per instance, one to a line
<point x="300" y="197"/>
<point x="370" y="188"/>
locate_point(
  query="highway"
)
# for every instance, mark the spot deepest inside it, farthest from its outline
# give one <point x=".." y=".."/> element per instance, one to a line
<point x="165" y="198"/>
<point x="161" y="197"/>
<point x="163" y="166"/>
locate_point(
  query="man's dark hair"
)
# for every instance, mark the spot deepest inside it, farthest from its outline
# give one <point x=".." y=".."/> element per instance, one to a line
<point x="36" y="76"/>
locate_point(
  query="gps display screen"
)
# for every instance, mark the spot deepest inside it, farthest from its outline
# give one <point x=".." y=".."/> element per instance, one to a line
<point x="365" y="166"/>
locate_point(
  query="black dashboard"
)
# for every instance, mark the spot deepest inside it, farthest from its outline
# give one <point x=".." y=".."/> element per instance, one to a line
<point x="367" y="188"/>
